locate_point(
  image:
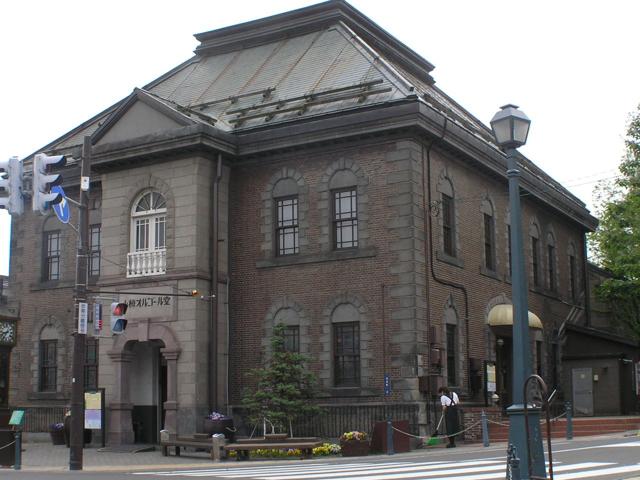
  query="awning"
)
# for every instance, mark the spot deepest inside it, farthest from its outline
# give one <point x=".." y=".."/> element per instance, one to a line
<point x="502" y="315"/>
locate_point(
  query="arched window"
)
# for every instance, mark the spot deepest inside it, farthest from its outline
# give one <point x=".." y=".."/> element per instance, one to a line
<point x="573" y="273"/>
<point x="489" y="230"/>
<point x="452" y="339"/>
<point x="552" y="274"/>
<point x="48" y="360"/>
<point x="534" y="234"/>
<point x="345" y="320"/>
<point x="344" y="193"/>
<point x="148" y="236"/>
<point x="289" y="318"/>
<point x="447" y="216"/>
<point x="285" y="195"/>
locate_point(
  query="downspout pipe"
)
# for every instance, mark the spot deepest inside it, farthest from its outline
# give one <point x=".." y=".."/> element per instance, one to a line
<point x="587" y="290"/>
<point x="213" y="274"/>
<point x="429" y="235"/>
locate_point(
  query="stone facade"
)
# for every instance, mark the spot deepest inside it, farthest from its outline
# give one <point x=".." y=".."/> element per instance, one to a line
<point x="419" y="285"/>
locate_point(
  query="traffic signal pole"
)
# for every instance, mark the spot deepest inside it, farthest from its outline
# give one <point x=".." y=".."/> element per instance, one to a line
<point x="80" y="295"/>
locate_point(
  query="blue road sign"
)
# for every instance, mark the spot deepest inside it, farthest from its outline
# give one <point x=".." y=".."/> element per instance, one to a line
<point x="387" y="385"/>
<point x="61" y="209"/>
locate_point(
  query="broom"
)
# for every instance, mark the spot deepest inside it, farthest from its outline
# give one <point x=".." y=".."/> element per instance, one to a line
<point x="434" y="440"/>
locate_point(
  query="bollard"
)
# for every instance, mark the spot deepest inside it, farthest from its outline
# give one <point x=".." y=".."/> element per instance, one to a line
<point x="513" y="463"/>
<point x="485" y="429"/>
<point x="18" y="461"/>
<point x="390" y="450"/>
<point x="567" y="406"/>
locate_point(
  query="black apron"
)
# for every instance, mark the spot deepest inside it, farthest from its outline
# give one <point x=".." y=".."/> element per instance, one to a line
<point x="451" y="418"/>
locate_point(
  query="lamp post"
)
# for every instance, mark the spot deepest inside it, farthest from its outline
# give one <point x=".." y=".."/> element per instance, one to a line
<point x="510" y="127"/>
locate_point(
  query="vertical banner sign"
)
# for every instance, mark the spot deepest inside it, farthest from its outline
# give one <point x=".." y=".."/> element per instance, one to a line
<point x="97" y="318"/>
<point x="93" y="410"/>
<point x="387" y="385"/>
<point x="83" y="317"/>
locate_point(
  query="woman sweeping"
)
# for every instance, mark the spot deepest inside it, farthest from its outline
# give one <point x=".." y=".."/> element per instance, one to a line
<point x="449" y="401"/>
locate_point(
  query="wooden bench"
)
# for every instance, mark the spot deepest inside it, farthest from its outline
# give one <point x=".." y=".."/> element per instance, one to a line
<point x="242" y="447"/>
<point x="200" y="441"/>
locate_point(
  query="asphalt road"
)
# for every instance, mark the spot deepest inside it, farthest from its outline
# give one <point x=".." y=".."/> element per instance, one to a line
<point x="604" y="458"/>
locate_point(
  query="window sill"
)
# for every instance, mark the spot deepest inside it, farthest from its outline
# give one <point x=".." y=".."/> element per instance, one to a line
<point x="489" y="273"/>
<point x="332" y="256"/>
<point x="349" y="392"/>
<point x="46" y="396"/>
<point x="51" y="284"/>
<point x="443" y="257"/>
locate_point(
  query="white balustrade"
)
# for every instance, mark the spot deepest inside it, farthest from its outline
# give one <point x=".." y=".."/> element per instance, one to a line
<point x="144" y="264"/>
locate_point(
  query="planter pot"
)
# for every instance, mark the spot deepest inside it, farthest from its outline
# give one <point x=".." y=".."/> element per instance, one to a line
<point x="354" y="448"/>
<point x="219" y="426"/>
<point x="57" y="436"/>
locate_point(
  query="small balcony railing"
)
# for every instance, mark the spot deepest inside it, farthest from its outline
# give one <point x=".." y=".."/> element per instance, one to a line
<point x="147" y="263"/>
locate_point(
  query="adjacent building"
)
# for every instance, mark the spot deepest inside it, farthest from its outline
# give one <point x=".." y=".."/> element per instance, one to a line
<point x="302" y="169"/>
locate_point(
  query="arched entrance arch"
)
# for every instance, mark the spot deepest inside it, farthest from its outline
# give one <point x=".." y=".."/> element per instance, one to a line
<point x="122" y="355"/>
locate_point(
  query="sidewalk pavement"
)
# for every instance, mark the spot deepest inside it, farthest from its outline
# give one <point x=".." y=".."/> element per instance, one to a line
<point x="47" y="457"/>
<point x="40" y="456"/>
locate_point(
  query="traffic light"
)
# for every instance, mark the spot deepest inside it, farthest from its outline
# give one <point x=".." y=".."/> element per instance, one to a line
<point x="42" y="197"/>
<point x="118" y="320"/>
<point x="11" y="186"/>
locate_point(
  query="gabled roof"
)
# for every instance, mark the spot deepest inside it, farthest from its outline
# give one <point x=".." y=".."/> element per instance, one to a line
<point x="173" y="113"/>
<point x="306" y="64"/>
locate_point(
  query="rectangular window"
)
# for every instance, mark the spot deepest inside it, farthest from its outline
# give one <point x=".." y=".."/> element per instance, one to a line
<point x="448" y="224"/>
<point x="287" y="226"/>
<point x="345" y="219"/>
<point x="451" y="354"/>
<point x="94" y="250"/>
<point x="52" y="256"/>
<point x="535" y="261"/>
<point x="551" y="252"/>
<point x="142" y="234"/>
<point x="346" y="354"/>
<point x="489" y="243"/>
<point x="572" y="277"/>
<point x="160" y="227"/>
<point x="91" y="364"/>
<point x="48" y="365"/>
<point x="509" y="249"/>
<point x="292" y="339"/>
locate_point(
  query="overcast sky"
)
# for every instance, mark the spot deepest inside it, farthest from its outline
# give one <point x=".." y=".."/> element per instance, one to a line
<point x="572" y="66"/>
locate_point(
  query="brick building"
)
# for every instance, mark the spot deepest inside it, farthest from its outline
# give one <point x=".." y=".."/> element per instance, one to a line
<point x="304" y="169"/>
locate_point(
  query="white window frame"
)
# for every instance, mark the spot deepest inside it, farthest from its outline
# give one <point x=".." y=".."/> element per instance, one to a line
<point x="154" y="217"/>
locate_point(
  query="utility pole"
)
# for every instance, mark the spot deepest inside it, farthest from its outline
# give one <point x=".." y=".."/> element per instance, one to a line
<point x="80" y="295"/>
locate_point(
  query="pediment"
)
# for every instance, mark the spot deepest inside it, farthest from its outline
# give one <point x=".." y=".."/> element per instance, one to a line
<point x="141" y="114"/>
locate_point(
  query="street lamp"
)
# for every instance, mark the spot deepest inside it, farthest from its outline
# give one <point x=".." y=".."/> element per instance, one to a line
<point x="510" y="127"/>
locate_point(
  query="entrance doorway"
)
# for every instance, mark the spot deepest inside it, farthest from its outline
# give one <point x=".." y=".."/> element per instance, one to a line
<point x="504" y="353"/>
<point x="582" y="384"/>
<point x="148" y="388"/>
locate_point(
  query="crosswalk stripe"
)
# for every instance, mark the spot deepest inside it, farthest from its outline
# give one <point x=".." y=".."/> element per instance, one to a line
<point x="399" y="472"/>
<point x="257" y="470"/>
<point x="601" y="472"/>
<point x="308" y="469"/>
<point x="474" y="472"/>
<point x="271" y="468"/>
<point x="468" y="470"/>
